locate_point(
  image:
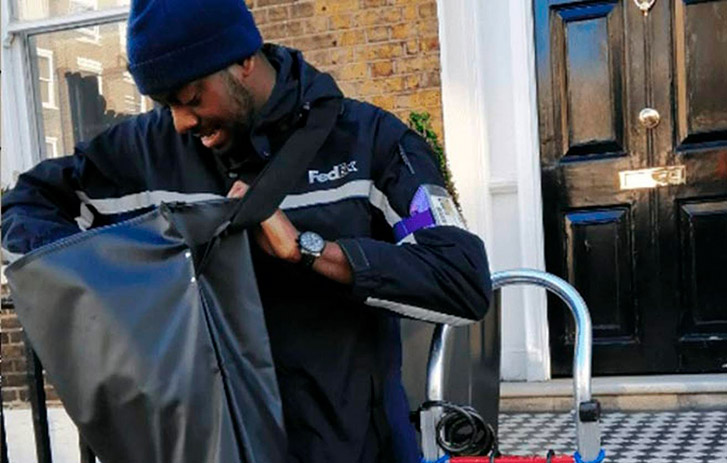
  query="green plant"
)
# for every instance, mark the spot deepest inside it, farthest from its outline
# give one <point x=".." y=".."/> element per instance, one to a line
<point x="421" y="122"/>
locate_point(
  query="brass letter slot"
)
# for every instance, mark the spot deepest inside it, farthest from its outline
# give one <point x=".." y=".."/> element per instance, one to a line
<point x="652" y="178"/>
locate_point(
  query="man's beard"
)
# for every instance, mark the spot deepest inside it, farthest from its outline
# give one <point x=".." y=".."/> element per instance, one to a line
<point x="243" y="113"/>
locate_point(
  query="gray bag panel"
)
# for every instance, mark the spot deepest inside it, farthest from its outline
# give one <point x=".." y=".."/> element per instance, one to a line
<point x="153" y="363"/>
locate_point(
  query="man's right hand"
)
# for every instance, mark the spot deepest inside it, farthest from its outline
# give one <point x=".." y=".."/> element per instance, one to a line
<point x="277" y="236"/>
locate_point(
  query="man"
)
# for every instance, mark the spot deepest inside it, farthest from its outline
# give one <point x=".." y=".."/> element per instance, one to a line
<point x="365" y="235"/>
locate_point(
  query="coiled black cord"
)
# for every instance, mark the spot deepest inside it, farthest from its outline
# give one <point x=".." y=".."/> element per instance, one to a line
<point x="461" y="430"/>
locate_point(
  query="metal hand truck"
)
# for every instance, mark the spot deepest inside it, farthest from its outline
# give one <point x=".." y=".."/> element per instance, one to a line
<point x="587" y="410"/>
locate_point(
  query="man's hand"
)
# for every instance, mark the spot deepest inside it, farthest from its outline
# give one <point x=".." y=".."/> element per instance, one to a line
<point x="278" y="237"/>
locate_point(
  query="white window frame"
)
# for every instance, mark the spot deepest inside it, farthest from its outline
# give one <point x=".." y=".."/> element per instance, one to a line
<point x="53" y="142"/>
<point x="90" y="34"/>
<point x="122" y="36"/>
<point x="22" y="137"/>
<point x="92" y="66"/>
<point x="48" y="54"/>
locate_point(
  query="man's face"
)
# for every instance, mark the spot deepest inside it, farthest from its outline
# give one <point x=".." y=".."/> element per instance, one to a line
<point x="216" y="108"/>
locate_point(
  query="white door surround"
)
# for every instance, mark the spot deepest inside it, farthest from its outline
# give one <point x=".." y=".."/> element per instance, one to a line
<point x="491" y="137"/>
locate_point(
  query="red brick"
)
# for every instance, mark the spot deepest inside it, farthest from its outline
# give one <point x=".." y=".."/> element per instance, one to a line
<point x="411" y="46"/>
<point x="316" y="42"/>
<point x="302" y="10"/>
<point x="14" y="380"/>
<point x="352" y="37"/>
<point x="341" y="21"/>
<point x="341" y="55"/>
<point x="428" y="10"/>
<point x="319" y="58"/>
<point x="381" y="51"/>
<point x="10" y="395"/>
<point x="278" y="13"/>
<point x="378" y="34"/>
<point x="13" y="351"/>
<point x="429" y="44"/>
<point x="316" y="25"/>
<point x="373" y="3"/>
<point x="10" y="323"/>
<point x="382" y="68"/>
<point x="334" y="6"/>
<point x="353" y="71"/>
<point x="293" y="28"/>
<point x="263" y="3"/>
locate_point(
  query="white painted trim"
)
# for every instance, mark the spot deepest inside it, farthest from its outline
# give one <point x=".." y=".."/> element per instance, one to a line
<point x="465" y="131"/>
<point x="53" y="141"/>
<point x="530" y="201"/>
<point x="466" y="60"/>
<point x="621" y="385"/>
<point x="48" y="54"/>
<point x="71" y="21"/>
<point x="503" y="186"/>
<point x="20" y="141"/>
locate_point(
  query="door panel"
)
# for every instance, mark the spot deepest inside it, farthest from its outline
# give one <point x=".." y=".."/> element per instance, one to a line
<point x="587" y="51"/>
<point x="649" y="261"/>
<point x="599" y="261"/>
<point x="700" y="39"/>
<point x="704" y="260"/>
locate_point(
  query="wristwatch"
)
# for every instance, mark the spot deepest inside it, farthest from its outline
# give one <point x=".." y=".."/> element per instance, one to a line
<point x="311" y="247"/>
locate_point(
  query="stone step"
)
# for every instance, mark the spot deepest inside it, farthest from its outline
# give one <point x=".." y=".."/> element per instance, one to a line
<point x="621" y="393"/>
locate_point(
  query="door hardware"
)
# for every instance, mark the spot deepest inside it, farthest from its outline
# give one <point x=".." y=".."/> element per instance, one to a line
<point x="645" y="5"/>
<point x="649" y="117"/>
<point x="652" y="178"/>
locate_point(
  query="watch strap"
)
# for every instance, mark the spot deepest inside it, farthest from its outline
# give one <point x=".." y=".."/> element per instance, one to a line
<point x="307" y="260"/>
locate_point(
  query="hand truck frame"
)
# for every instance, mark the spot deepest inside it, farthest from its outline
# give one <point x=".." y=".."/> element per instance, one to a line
<point x="587" y="410"/>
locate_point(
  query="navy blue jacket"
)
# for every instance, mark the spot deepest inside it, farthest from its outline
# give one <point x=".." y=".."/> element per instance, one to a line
<point x="337" y="348"/>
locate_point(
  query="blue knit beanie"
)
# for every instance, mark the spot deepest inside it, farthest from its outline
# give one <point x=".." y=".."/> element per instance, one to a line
<point x="172" y="42"/>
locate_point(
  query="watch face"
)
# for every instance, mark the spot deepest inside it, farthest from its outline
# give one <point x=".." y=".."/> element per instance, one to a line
<point x="312" y="243"/>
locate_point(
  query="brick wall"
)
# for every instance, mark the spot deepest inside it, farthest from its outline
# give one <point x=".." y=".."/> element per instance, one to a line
<point x="382" y="51"/>
<point x="13" y="365"/>
<point x="13" y="357"/>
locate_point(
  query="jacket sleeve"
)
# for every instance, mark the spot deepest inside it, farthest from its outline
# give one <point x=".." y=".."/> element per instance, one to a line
<point x="431" y="269"/>
<point x="42" y="207"/>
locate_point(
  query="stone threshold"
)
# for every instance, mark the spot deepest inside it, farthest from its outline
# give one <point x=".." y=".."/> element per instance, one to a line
<point x="621" y="385"/>
<point x="622" y="393"/>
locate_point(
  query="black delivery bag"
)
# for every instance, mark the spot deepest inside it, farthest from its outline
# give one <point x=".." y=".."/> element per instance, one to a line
<point x="152" y="330"/>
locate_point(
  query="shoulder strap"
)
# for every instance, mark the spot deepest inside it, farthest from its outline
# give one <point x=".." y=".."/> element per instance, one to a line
<point x="269" y="188"/>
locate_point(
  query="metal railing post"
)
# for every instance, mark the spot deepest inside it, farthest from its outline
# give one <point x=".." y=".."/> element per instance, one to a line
<point x="36" y="394"/>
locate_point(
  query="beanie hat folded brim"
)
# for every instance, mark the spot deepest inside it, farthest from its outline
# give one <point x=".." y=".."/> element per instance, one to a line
<point x="180" y="66"/>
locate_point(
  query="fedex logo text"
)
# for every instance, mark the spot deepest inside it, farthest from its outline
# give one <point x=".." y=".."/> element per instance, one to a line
<point x="339" y="171"/>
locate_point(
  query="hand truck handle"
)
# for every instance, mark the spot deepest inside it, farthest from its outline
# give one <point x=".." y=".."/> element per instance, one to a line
<point x="587" y="411"/>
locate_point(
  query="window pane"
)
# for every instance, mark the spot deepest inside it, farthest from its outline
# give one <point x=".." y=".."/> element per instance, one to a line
<point x="45" y="92"/>
<point x="44" y="67"/>
<point x="92" y="86"/>
<point x="40" y="9"/>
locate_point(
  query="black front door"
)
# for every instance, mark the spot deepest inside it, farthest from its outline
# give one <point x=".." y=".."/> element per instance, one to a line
<point x="633" y="129"/>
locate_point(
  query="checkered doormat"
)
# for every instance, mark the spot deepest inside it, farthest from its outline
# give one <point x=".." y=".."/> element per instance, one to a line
<point x="628" y="437"/>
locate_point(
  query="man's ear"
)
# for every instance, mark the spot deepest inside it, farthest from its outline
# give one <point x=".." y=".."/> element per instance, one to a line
<point x="247" y="66"/>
